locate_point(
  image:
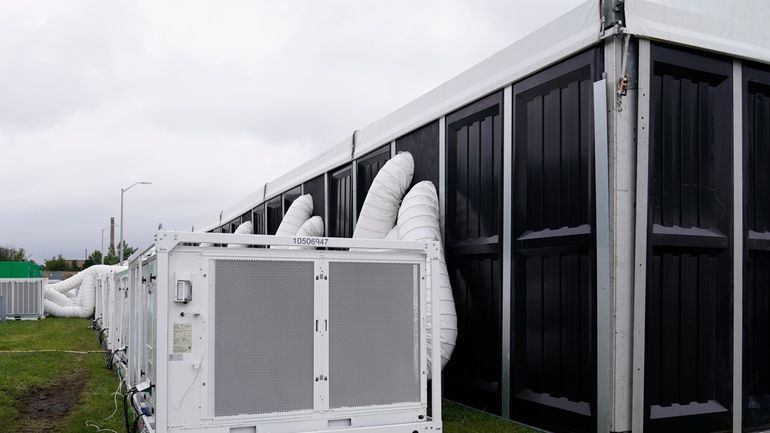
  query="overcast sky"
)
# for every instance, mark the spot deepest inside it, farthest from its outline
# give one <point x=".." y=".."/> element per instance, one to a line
<point x="208" y="100"/>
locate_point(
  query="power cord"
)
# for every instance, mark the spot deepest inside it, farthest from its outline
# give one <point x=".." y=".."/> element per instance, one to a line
<point x="126" y="399"/>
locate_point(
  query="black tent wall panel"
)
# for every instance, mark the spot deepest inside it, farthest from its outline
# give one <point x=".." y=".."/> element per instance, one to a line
<point x="554" y="296"/>
<point x="274" y="215"/>
<point x="246" y="217"/>
<point x="688" y="337"/>
<point x="473" y="250"/>
<point x="341" y="202"/>
<point x="367" y="168"/>
<point x="259" y="220"/>
<point x="423" y="145"/>
<point x="289" y="196"/>
<point x="756" y="288"/>
<point x="234" y="224"/>
<point x="316" y="188"/>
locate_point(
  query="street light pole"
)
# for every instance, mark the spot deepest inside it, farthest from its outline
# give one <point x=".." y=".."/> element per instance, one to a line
<point x="123" y="191"/>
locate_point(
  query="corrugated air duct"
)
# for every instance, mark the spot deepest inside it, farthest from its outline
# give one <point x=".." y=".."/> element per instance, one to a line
<point x="380" y="208"/>
<point x="418" y="220"/>
<point x="56" y="302"/>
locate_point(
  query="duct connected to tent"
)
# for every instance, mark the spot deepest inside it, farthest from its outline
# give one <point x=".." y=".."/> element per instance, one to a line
<point x="57" y="301"/>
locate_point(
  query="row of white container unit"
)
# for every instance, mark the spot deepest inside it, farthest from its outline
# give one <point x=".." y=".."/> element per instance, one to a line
<point x="275" y="338"/>
<point x="22" y="298"/>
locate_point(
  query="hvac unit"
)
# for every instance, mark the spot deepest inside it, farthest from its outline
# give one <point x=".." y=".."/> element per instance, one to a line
<point x="22" y="298"/>
<point x="282" y="339"/>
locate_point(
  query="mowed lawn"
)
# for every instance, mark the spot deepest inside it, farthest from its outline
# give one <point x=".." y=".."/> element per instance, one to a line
<point x="52" y="390"/>
<point x="55" y="391"/>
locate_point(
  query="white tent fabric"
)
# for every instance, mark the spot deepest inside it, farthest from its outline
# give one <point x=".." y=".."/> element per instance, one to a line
<point x="738" y="28"/>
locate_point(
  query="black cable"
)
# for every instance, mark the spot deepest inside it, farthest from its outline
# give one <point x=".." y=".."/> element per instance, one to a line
<point x="125" y="407"/>
<point x="109" y="361"/>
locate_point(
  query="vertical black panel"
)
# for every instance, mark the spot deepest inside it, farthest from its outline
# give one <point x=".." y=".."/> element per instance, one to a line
<point x="473" y="249"/>
<point x="554" y="343"/>
<point x="289" y="196"/>
<point x="423" y="145"/>
<point x="274" y="215"/>
<point x="368" y="166"/>
<point x="688" y="338"/>
<point x="315" y="187"/>
<point x="756" y="287"/>
<point x="341" y="203"/>
<point x="258" y="215"/>
<point x="246" y="217"/>
<point x="234" y="224"/>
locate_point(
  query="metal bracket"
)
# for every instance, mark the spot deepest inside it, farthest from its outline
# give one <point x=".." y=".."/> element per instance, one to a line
<point x="621" y="89"/>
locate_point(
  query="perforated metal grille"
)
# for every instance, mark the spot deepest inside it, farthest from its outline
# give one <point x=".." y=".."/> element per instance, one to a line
<point x="22" y="298"/>
<point x="264" y="336"/>
<point x="373" y="334"/>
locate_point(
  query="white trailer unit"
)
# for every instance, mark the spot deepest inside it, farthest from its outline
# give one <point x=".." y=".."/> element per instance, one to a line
<point x="116" y="314"/>
<point x="282" y="339"/>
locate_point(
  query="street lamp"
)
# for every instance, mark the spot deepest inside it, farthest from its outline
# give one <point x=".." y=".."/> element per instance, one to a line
<point x="123" y="191"/>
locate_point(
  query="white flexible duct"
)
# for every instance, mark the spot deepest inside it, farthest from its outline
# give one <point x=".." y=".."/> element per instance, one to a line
<point x="380" y="208"/>
<point x="68" y="284"/>
<point x="299" y="212"/>
<point x="81" y="306"/>
<point x="245" y="228"/>
<point x="418" y="220"/>
<point x="57" y="297"/>
<point x="313" y="227"/>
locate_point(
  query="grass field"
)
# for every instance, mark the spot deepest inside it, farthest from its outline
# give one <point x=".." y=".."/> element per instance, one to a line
<point x="76" y="386"/>
<point x="45" y="388"/>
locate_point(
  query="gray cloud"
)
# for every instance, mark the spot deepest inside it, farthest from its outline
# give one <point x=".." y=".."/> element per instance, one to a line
<point x="208" y="100"/>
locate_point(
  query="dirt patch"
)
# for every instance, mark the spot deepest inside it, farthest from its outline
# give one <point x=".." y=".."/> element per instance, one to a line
<point x="41" y="408"/>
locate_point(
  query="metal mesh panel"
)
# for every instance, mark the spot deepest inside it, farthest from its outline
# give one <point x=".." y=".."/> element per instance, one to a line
<point x="264" y="336"/>
<point x="373" y="334"/>
<point x="22" y="298"/>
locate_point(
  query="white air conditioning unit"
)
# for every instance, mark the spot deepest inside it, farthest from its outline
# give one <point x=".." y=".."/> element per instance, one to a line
<point x="22" y="297"/>
<point x="284" y="340"/>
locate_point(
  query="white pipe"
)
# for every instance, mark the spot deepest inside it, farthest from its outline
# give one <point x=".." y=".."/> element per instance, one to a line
<point x="418" y="220"/>
<point x="299" y="212"/>
<point x="245" y="228"/>
<point x="380" y="208"/>
<point x="68" y="284"/>
<point x="313" y="227"/>
<point x="81" y="306"/>
<point x="57" y="297"/>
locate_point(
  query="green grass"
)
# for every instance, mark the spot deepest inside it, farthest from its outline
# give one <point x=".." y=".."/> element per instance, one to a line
<point x="461" y="419"/>
<point x="21" y="371"/>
